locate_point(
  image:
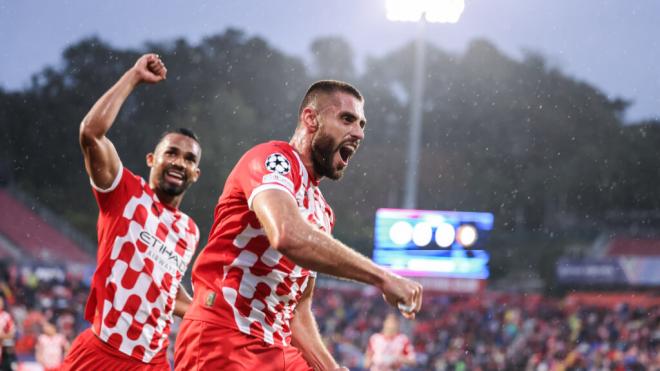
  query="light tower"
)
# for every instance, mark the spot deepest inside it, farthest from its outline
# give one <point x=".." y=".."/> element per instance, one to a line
<point x="420" y="11"/>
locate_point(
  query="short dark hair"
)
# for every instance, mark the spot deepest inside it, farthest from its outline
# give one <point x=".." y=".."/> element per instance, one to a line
<point x="183" y="131"/>
<point x="328" y="87"/>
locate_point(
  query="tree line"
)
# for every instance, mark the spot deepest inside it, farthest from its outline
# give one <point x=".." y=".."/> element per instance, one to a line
<point x="548" y="154"/>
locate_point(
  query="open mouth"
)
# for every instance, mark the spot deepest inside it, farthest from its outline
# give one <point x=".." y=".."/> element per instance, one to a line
<point x="175" y="176"/>
<point x="346" y="151"/>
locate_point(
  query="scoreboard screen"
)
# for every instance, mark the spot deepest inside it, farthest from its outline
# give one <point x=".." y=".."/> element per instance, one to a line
<point x="433" y="243"/>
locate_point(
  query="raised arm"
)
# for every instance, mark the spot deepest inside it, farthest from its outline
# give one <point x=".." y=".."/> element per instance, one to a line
<point x="101" y="159"/>
<point x="311" y="248"/>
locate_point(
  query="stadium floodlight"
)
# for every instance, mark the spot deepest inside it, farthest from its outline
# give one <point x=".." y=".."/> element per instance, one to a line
<point x="422" y="12"/>
<point x="433" y="11"/>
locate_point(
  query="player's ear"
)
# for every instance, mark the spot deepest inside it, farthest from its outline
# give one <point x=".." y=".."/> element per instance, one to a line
<point x="196" y="174"/>
<point x="309" y="118"/>
<point x="150" y="159"/>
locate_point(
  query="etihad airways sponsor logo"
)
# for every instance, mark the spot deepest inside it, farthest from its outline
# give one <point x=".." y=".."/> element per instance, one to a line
<point x="161" y="254"/>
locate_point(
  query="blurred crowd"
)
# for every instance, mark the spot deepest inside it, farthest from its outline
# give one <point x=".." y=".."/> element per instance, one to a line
<point x="43" y="302"/>
<point x="491" y="331"/>
<point x="498" y="332"/>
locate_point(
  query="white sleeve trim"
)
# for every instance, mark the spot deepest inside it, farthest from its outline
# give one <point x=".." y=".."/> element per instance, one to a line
<point x="265" y="187"/>
<point x="114" y="184"/>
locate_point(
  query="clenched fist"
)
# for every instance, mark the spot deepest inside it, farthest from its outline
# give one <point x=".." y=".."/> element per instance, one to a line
<point x="404" y="294"/>
<point x="150" y="69"/>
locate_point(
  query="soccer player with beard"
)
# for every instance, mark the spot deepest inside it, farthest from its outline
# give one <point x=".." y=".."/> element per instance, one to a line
<point x="254" y="279"/>
<point x="144" y="241"/>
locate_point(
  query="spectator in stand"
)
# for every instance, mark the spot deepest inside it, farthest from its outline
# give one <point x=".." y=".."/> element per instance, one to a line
<point x="51" y="348"/>
<point x="7" y="334"/>
<point x="503" y="332"/>
<point x="492" y="331"/>
<point x="389" y="350"/>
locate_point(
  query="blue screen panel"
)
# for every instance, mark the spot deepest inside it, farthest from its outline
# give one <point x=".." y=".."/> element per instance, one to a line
<point x="433" y="243"/>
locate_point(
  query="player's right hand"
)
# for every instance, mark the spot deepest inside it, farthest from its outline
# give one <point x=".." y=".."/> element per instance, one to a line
<point x="150" y="69"/>
<point x="404" y="294"/>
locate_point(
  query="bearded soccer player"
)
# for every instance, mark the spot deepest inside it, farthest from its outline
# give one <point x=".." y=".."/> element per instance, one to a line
<point x="253" y="281"/>
<point x="145" y="241"/>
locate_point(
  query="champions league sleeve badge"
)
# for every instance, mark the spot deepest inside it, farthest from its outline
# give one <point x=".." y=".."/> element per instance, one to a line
<point x="277" y="163"/>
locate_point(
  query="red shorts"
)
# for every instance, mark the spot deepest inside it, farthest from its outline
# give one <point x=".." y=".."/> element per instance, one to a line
<point x="205" y="346"/>
<point x="88" y="352"/>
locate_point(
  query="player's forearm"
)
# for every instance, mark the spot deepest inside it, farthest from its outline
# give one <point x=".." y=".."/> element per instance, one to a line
<point x="318" y="251"/>
<point x="100" y="118"/>
<point x="307" y="339"/>
<point x="307" y="246"/>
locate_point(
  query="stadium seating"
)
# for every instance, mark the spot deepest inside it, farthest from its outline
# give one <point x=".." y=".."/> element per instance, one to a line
<point x="24" y="230"/>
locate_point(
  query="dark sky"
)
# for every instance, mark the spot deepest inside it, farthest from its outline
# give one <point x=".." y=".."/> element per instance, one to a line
<point x="612" y="44"/>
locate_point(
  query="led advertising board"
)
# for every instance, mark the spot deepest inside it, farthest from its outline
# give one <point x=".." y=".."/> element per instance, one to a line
<point x="426" y="243"/>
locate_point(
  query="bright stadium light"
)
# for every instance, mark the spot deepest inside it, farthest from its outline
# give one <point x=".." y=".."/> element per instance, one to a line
<point x="422" y="12"/>
<point x="434" y="11"/>
<point x="422" y="234"/>
<point x="466" y="235"/>
<point x="404" y="11"/>
<point x="444" y="11"/>
<point x="445" y="235"/>
<point x="401" y="233"/>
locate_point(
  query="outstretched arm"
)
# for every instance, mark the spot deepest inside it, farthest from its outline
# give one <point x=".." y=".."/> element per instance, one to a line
<point x="101" y="159"/>
<point x="306" y="336"/>
<point x="311" y="248"/>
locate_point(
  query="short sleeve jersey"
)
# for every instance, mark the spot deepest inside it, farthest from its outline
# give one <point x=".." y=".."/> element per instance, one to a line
<point x="6" y="326"/>
<point x="240" y="281"/>
<point x="52" y="349"/>
<point x="387" y="351"/>
<point x="144" y="248"/>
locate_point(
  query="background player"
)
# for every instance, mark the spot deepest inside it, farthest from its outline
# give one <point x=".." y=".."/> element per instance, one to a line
<point x="254" y="279"/>
<point x="145" y="242"/>
<point x="7" y="335"/>
<point x="50" y="348"/>
<point x="389" y="350"/>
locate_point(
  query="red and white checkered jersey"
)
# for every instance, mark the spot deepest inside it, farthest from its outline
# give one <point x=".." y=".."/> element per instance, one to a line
<point x="144" y="250"/>
<point x="52" y="350"/>
<point x="388" y="351"/>
<point x="6" y="326"/>
<point x="240" y="281"/>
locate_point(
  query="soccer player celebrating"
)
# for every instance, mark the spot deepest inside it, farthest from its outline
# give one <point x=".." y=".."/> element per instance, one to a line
<point x="254" y="280"/>
<point x="389" y="350"/>
<point x="145" y="242"/>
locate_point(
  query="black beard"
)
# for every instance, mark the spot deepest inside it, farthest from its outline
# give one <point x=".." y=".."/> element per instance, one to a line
<point x="169" y="188"/>
<point x="323" y="150"/>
